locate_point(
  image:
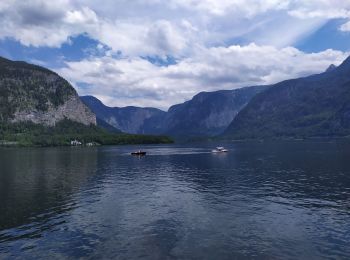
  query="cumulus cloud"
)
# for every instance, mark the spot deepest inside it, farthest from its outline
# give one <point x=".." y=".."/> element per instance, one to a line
<point x="43" y="23"/>
<point x="173" y="27"/>
<point x="141" y="39"/>
<point x="136" y="81"/>
<point x="200" y="35"/>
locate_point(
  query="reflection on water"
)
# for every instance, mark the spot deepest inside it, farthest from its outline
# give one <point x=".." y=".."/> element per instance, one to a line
<point x="261" y="200"/>
<point x="37" y="184"/>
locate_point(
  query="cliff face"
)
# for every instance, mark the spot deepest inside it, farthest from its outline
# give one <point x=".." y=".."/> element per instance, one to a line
<point x="33" y="93"/>
<point x="133" y="120"/>
<point x="72" y="109"/>
<point x="206" y="114"/>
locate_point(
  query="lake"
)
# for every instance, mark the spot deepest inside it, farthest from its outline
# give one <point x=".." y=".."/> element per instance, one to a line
<point x="268" y="200"/>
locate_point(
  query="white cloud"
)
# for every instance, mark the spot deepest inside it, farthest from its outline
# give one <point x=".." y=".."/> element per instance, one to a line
<point x="345" y="27"/>
<point x="320" y="9"/>
<point x="43" y="23"/>
<point x="174" y="27"/>
<point x="198" y="33"/>
<point x="245" y="8"/>
<point x="83" y="16"/>
<point x="135" y="81"/>
<point x="148" y="38"/>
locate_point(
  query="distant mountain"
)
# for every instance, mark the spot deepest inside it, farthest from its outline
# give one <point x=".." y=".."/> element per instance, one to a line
<point x="30" y="93"/>
<point x="133" y="120"/>
<point x="331" y="67"/>
<point x="109" y="128"/>
<point x="314" y="106"/>
<point x="206" y="114"/>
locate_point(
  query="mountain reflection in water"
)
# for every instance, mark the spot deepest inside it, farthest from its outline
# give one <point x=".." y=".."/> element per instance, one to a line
<point x="278" y="200"/>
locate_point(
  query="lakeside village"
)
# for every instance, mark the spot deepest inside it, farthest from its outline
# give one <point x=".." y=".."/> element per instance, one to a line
<point x="78" y="143"/>
<point x="72" y="143"/>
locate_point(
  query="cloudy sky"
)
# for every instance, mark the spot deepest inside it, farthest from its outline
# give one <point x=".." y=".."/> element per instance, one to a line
<point x="162" y="52"/>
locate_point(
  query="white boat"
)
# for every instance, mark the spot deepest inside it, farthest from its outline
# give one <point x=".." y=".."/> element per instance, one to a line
<point x="219" y="150"/>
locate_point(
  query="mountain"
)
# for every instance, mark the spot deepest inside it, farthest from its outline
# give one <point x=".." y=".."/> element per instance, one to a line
<point x="133" y="120"/>
<point x="109" y="128"/>
<point x="30" y="93"/>
<point x="206" y="114"/>
<point x="331" y="67"/>
<point x="39" y="108"/>
<point x="314" y="106"/>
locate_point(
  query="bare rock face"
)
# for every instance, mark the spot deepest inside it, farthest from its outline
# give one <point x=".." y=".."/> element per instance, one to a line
<point x="208" y="113"/>
<point x="73" y="109"/>
<point x="35" y="94"/>
<point x="133" y="120"/>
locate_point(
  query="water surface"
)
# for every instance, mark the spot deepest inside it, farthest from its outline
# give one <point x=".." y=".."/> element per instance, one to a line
<point x="287" y="200"/>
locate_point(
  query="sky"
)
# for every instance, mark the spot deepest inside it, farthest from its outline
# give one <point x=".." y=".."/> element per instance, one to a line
<point x="157" y="53"/>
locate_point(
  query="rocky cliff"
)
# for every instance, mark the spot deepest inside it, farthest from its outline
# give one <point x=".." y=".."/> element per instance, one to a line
<point x="35" y="94"/>
<point x="131" y="120"/>
<point x="206" y="114"/>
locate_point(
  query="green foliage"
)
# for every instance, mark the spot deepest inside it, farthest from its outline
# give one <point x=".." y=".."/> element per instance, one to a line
<point x="29" y="134"/>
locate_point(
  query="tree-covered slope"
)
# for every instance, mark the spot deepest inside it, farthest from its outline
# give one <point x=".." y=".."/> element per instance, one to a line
<point x="65" y="131"/>
<point x="314" y="106"/>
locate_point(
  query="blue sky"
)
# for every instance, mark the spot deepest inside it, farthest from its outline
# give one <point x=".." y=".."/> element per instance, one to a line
<point x="327" y="37"/>
<point x="158" y="53"/>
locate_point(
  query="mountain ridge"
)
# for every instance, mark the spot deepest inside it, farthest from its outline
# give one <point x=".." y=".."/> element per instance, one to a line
<point x="313" y="106"/>
<point x="206" y="114"/>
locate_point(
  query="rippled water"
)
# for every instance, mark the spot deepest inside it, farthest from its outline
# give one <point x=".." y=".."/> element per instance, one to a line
<point x="287" y="200"/>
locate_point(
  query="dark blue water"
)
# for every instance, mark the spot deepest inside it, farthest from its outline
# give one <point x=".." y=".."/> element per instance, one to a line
<point x="287" y="200"/>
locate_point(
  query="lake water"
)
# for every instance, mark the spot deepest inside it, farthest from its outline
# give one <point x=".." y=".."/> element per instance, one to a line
<point x="287" y="200"/>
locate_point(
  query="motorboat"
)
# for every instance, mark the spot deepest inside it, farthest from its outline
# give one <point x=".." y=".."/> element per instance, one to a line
<point x="138" y="153"/>
<point x="219" y="149"/>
